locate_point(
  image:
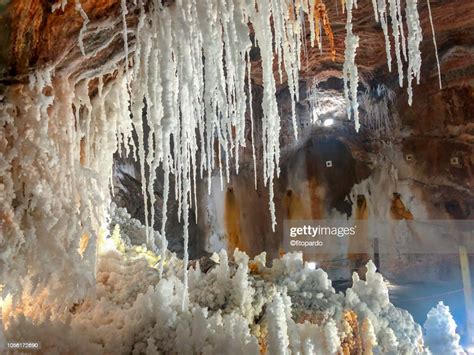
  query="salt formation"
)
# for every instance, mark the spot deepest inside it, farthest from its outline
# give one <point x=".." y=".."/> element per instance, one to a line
<point x="61" y="4"/>
<point x="434" y="43"/>
<point x="83" y="29"/>
<point x="56" y="164"/>
<point x="380" y="117"/>
<point x="440" y="328"/>
<point x="187" y="72"/>
<point x="413" y="47"/>
<point x="183" y="78"/>
<point x="349" y="70"/>
<point x="407" y="46"/>
<point x="235" y="307"/>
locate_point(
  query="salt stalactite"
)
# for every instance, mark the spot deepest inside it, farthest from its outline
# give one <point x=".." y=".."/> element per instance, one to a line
<point x="410" y="51"/>
<point x="83" y="29"/>
<point x="56" y="172"/>
<point x="311" y="17"/>
<point x="286" y="40"/>
<point x="402" y="29"/>
<point x="396" y="24"/>
<point x="313" y="95"/>
<point x="123" y="4"/>
<point x="271" y="118"/>
<point x="414" y="39"/>
<point x="252" y="125"/>
<point x="382" y="9"/>
<point x="376" y="10"/>
<point x="60" y="4"/>
<point x="139" y="94"/>
<point x="379" y="117"/>
<point x="434" y="43"/>
<point x="351" y="76"/>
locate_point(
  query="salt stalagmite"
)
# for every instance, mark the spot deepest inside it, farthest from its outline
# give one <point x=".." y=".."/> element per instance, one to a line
<point x="440" y="328"/>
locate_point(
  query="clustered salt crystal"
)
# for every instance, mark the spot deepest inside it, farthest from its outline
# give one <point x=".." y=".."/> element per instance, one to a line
<point x="440" y="328"/>
<point x="230" y="311"/>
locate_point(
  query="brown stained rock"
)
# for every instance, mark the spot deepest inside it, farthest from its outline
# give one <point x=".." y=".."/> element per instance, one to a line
<point x="232" y="221"/>
<point x="398" y="210"/>
<point x="40" y="37"/>
<point x="443" y="158"/>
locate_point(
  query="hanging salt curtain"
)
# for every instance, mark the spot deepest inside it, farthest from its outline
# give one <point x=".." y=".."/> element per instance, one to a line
<point x="189" y="68"/>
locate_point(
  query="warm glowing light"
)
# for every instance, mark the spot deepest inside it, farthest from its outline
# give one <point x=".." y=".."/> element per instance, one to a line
<point x="328" y="122"/>
<point x="105" y="244"/>
<point x="5" y="309"/>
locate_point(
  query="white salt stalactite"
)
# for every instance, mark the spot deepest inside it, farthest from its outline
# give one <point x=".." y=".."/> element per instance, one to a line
<point x="376" y="11"/>
<point x="402" y="30"/>
<point x="271" y="119"/>
<point x="137" y="108"/>
<point x="406" y="45"/>
<point x="252" y="138"/>
<point x="382" y="8"/>
<point x="351" y="76"/>
<point x="396" y="22"/>
<point x="311" y="4"/>
<point x="414" y="40"/>
<point x="59" y="5"/>
<point x="286" y="37"/>
<point x="434" y="43"/>
<point x="123" y="5"/>
<point x="83" y="29"/>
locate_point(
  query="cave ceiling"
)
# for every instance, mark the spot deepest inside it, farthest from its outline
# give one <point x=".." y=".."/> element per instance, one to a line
<point x="33" y="36"/>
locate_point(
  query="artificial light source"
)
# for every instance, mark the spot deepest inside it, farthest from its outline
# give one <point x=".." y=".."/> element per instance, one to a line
<point x="328" y="122"/>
